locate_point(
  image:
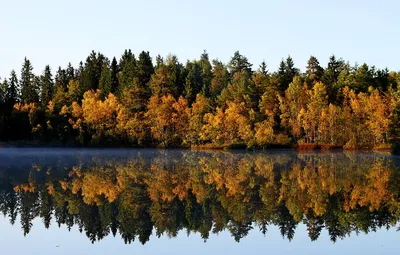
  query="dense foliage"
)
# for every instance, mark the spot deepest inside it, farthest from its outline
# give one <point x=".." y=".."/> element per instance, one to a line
<point x="136" y="195"/>
<point x="133" y="102"/>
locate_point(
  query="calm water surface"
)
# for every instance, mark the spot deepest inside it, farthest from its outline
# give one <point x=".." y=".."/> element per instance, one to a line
<point x="95" y="201"/>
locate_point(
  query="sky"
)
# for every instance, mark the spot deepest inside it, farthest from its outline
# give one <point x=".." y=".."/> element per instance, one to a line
<point x="61" y="241"/>
<point x="57" y="32"/>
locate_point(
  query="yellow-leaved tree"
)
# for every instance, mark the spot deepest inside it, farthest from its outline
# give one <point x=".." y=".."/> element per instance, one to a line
<point x="309" y="116"/>
<point x="232" y="126"/>
<point x="291" y="105"/>
<point x="167" y="119"/>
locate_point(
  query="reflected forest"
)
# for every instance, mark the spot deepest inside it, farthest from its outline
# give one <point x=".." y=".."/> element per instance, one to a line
<point x="141" y="102"/>
<point x="145" y="194"/>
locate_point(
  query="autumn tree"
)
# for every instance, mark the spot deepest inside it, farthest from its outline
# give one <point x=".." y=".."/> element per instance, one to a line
<point x="309" y="116"/>
<point x="167" y="119"/>
<point x="229" y="127"/>
<point x="196" y="119"/>
<point x="99" y="116"/>
<point x="332" y="127"/>
<point x="291" y="105"/>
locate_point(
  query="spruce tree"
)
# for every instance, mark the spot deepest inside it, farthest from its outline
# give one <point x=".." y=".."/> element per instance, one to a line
<point x="263" y="68"/>
<point x="145" y="68"/>
<point x="194" y="81"/>
<point x="12" y="95"/>
<point x="29" y="92"/>
<point x="286" y="72"/>
<point x="61" y="79"/>
<point x="46" y="87"/>
<point x="3" y="92"/>
<point x="90" y="75"/>
<point x="128" y="67"/>
<point x="114" y="75"/>
<point x="70" y="73"/>
<point x="105" y="84"/>
<point x="206" y="73"/>
<point x="314" y="71"/>
<point x="283" y="80"/>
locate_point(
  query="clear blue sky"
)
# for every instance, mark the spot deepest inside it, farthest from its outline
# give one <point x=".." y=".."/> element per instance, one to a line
<point x="56" y="32"/>
<point x="45" y="241"/>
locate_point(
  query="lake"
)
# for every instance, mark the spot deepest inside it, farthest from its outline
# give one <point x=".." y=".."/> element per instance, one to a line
<point x="100" y="201"/>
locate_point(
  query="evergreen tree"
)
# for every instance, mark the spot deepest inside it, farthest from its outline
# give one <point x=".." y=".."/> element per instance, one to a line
<point x="263" y="68"/>
<point x="114" y="75"/>
<point x="61" y="79"/>
<point x="46" y="87"/>
<point x="382" y="79"/>
<point x="79" y="71"/>
<point x="220" y="78"/>
<point x="12" y="95"/>
<point x="363" y="78"/>
<point x="286" y="73"/>
<point x="283" y="80"/>
<point x="333" y="70"/>
<point x="145" y="68"/>
<point x="128" y="73"/>
<point x="291" y="70"/>
<point x="194" y="81"/>
<point x="238" y="63"/>
<point x="70" y="72"/>
<point x="240" y="89"/>
<point x="176" y="71"/>
<point x="331" y="76"/>
<point x="29" y="90"/>
<point x="3" y="93"/>
<point x="159" y="60"/>
<point x="90" y="75"/>
<point x="206" y="73"/>
<point x="314" y="71"/>
<point x="105" y="81"/>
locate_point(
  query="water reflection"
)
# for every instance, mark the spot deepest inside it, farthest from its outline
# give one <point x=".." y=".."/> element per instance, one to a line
<point x="140" y="193"/>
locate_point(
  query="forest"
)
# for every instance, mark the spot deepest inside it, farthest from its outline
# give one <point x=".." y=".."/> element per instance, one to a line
<point x="201" y="104"/>
<point x="141" y="197"/>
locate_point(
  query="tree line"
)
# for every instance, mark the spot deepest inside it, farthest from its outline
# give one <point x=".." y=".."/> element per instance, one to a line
<point x="202" y="103"/>
<point x="204" y="193"/>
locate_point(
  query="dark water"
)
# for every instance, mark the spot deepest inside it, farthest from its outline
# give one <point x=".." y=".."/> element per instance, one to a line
<point x="63" y="201"/>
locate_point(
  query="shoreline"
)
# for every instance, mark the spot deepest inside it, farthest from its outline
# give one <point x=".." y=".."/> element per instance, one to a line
<point x="208" y="147"/>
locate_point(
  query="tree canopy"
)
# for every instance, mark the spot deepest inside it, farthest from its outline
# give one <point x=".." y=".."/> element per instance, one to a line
<point x="202" y="103"/>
